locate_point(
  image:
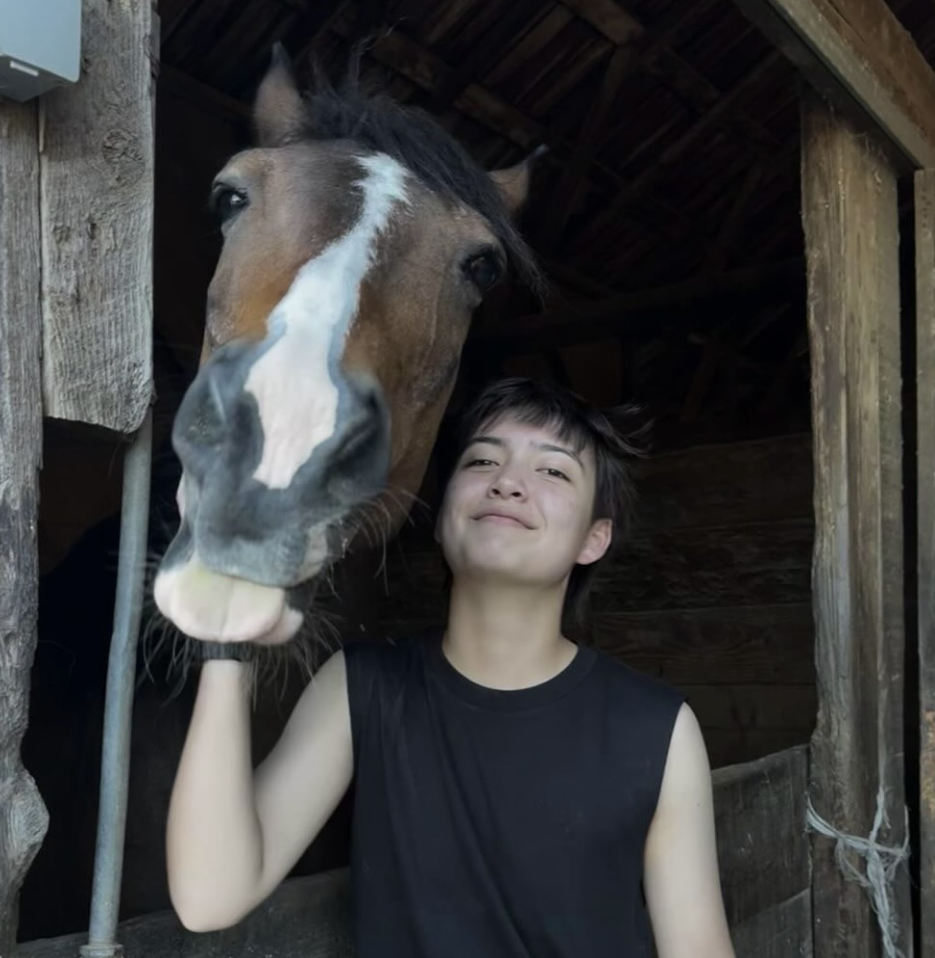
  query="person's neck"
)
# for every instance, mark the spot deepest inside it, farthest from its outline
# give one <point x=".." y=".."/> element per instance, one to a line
<point x="506" y="637"/>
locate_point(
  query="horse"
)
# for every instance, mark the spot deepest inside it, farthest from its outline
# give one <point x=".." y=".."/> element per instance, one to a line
<point x="358" y="239"/>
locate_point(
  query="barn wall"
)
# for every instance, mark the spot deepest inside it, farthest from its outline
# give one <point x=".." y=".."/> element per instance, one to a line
<point x="80" y="494"/>
<point x="765" y="875"/>
<point x="711" y="593"/>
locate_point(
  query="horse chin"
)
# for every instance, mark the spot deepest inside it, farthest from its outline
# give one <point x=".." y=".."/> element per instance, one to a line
<point x="214" y="607"/>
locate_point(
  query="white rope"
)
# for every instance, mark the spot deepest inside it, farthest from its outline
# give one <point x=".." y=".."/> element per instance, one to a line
<point x="882" y="864"/>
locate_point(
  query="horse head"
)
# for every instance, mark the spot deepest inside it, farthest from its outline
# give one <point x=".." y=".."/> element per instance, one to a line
<point x="358" y="238"/>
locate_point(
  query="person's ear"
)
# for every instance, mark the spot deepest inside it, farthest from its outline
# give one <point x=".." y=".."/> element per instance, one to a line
<point x="597" y="542"/>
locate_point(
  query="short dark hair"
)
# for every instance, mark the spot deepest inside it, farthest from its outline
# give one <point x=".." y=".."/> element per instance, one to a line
<point x="610" y="435"/>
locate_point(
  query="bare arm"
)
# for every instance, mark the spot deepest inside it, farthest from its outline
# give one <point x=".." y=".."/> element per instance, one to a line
<point x="681" y="878"/>
<point x="233" y="835"/>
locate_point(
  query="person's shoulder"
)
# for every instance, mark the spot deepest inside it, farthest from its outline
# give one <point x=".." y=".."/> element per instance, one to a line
<point x="634" y="686"/>
<point x="385" y="655"/>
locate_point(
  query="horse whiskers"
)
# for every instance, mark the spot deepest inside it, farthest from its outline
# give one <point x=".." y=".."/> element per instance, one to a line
<point x="273" y="665"/>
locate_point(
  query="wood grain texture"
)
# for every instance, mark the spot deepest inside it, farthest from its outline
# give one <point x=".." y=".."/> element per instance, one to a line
<point x="97" y="213"/>
<point x="731" y="483"/>
<point x="763" y="850"/>
<point x="925" y="398"/>
<point x="852" y="240"/>
<point x="764" y="865"/>
<point x="858" y="53"/>
<point x="757" y="645"/>
<point x="303" y="918"/>
<point x="781" y="931"/>
<point x="23" y="817"/>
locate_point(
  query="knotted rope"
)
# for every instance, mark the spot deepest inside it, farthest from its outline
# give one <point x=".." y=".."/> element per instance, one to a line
<point x="882" y="863"/>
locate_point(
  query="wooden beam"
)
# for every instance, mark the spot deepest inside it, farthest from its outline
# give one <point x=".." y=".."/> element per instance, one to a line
<point x="860" y="57"/>
<point x="722" y="247"/>
<point x="925" y="396"/>
<point x="608" y="18"/>
<point x="764" y="864"/>
<point x="515" y="20"/>
<point x="595" y="233"/>
<point x="97" y="173"/>
<point x="177" y="83"/>
<point x="763" y="855"/>
<point x="851" y="228"/>
<point x="562" y="202"/>
<point x="23" y="817"/>
<point x="578" y="323"/>
<point x="701" y="381"/>
<point x="426" y="70"/>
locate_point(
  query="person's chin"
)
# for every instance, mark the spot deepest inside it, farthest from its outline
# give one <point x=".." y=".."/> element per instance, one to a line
<point x="497" y="566"/>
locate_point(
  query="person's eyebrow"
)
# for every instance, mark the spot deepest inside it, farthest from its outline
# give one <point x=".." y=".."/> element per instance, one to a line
<point x="550" y="447"/>
<point x="486" y="440"/>
<point x="544" y="446"/>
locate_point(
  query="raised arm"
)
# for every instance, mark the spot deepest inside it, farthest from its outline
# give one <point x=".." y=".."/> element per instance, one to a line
<point x="233" y="835"/>
<point x="681" y="877"/>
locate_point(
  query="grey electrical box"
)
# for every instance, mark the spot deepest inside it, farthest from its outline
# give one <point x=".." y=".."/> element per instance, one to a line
<point x="40" y="46"/>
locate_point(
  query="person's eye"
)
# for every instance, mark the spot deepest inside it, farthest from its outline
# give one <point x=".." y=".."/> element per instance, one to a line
<point x="556" y="473"/>
<point x="478" y="462"/>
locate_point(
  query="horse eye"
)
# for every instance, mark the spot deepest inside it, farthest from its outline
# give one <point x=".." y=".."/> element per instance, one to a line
<point x="227" y="202"/>
<point x="483" y="270"/>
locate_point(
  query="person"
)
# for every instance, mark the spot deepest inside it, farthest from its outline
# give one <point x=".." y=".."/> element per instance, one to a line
<point x="516" y="793"/>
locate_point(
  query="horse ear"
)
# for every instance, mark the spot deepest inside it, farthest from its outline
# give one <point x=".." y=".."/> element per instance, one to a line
<point x="278" y="111"/>
<point x="513" y="182"/>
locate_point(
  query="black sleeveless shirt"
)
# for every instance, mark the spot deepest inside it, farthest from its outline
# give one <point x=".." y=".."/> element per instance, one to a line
<point x="501" y="824"/>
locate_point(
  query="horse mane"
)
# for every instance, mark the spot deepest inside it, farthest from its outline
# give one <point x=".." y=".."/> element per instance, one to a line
<point x="414" y="138"/>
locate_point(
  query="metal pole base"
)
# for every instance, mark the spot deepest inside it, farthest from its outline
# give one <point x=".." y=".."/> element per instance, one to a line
<point x="101" y="951"/>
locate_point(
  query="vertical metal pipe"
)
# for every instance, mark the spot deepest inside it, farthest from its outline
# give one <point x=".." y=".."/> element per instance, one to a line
<point x="118" y="707"/>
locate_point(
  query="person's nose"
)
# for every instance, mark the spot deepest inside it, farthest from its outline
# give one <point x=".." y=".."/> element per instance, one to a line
<point x="508" y="484"/>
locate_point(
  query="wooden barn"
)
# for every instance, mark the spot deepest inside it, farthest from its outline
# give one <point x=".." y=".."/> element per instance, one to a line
<point x="736" y="215"/>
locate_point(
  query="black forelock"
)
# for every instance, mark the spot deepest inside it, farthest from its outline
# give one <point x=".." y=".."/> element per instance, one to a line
<point x="415" y="139"/>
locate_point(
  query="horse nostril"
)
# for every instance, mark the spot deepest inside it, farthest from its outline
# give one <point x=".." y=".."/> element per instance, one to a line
<point x="365" y="419"/>
<point x="203" y="421"/>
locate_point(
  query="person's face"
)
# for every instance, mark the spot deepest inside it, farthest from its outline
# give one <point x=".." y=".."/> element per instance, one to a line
<point x="519" y="507"/>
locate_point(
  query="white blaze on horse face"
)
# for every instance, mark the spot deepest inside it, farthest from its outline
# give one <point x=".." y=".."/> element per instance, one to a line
<point x="292" y="382"/>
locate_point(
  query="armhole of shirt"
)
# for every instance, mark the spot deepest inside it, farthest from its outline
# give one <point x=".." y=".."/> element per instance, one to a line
<point x="358" y="663"/>
<point x="677" y="699"/>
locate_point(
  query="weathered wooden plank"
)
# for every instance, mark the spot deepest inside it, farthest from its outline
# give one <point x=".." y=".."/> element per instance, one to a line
<point x="758" y="645"/>
<point x="763" y="849"/>
<point x="565" y="325"/>
<point x="608" y="18"/>
<point x="761" y="845"/>
<point x="562" y="202"/>
<point x="925" y="399"/>
<point x="860" y="56"/>
<point x="852" y="240"/>
<point x="753" y="564"/>
<point x="303" y="918"/>
<point x="747" y="707"/>
<point x="180" y="84"/>
<point x="782" y="931"/>
<point x="760" y="563"/>
<point x="97" y="210"/>
<point x="538" y="37"/>
<point x="23" y="818"/>
<point x="727" y="747"/>
<point x="730" y="483"/>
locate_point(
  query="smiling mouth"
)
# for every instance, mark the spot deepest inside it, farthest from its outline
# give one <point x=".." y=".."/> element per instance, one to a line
<point x="499" y="519"/>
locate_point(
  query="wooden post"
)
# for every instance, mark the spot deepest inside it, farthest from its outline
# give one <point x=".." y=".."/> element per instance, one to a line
<point x="925" y="406"/>
<point x="851" y="233"/>
<point x="97" y="172"/>
<point x="23" y="817"/>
